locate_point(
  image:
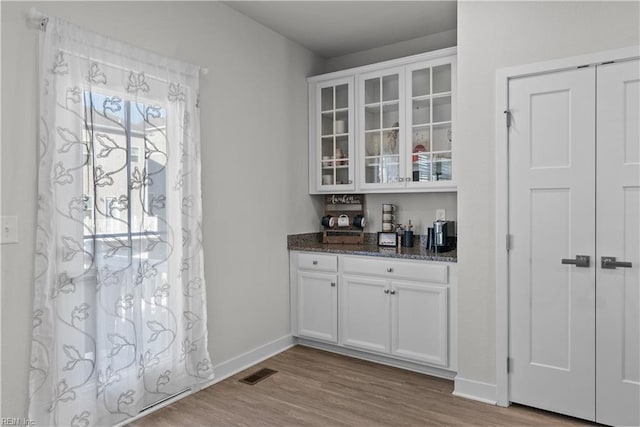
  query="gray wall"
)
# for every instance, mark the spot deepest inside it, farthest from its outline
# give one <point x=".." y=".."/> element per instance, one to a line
<point x="420" y="208"/>
<point x="493" y="35"/>
<point x="254" y="133"/>
<point x="392" y="51"/>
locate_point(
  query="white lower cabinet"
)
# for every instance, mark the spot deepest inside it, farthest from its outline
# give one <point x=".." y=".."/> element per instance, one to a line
<point x="396" y="308"/>
<point x="317" y="296"/>
<point x="419" y="314"/>
<point x="365" y="313"/>
<point x="402" y="318"/>
<point x="318" y="306"/>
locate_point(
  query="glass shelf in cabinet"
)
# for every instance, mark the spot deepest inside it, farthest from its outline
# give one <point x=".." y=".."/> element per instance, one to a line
<point x="335" y="167"/>
<point x="444" y="154"/>
<point x="378" y="104"/>
<point x="419" y="158"/>
<point x="334" y="110"/>
<point x="421" y="98"/>
<point x="373" y="161"/>
<point x="441" y="94"/>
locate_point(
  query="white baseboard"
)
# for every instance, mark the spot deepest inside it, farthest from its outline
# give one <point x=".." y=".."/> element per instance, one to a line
<point x="475" y="390"/>
<point x="239" y="363"/>
<point x="227" y="369"/>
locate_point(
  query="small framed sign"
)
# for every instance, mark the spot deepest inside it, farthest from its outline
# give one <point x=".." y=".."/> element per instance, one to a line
<point x="387" y="238"/>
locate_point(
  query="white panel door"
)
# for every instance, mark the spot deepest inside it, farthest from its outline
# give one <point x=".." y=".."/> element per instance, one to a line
<point x="551" y="218"/>
<point x="419" y="322"/>
<point x="365" y="313"/>
<point x="318" y="306"/>
<point x="618" y="235"/>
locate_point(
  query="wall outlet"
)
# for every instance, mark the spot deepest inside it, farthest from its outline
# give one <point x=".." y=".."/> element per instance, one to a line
<point x="441" y="214"/>
<point x="9" y="229"/>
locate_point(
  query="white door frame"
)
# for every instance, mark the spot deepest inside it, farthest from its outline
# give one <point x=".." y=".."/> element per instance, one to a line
<point x="503" y="75"/>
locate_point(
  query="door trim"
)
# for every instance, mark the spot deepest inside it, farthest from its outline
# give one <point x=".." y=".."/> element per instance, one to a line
<point x="503" y="75"/>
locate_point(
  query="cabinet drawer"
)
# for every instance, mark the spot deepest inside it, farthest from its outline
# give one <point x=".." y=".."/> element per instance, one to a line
<point x="393" y="269"/>
<point x="319" y="262"/>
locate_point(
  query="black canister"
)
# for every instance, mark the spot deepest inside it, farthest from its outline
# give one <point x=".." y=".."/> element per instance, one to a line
<point x="430" y="242"/>
<point x="407" y="239"/>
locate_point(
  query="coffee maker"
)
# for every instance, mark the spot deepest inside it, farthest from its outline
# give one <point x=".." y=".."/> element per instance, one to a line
<point x="441" y="237"/>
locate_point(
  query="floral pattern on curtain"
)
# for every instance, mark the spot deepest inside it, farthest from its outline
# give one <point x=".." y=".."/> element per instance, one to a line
<point x="119" y="319"/>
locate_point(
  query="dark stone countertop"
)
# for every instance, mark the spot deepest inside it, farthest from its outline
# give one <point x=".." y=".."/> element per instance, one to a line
<point x="312" y="242"/>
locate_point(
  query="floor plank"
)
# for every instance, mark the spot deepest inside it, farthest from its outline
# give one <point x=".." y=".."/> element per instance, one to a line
<point x="318" y="388"/>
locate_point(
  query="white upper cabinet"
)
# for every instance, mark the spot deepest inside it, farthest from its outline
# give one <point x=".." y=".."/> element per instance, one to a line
<point x="387" y="127"/>
<point x="380" y="112"/>
<point x="332" y="141"/>
<point x="429" y="142"/>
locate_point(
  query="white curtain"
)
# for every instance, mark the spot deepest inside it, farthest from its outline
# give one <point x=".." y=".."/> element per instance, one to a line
<point x="119" y="318"/>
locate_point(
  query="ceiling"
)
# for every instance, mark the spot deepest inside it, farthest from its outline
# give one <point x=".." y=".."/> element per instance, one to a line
<point x="335" y="28"/>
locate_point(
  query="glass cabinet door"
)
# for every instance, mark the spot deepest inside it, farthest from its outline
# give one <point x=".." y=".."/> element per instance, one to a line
<point x="335" y="135"/>
<point x="430" y="123"/>
<point x="381" y="117"/>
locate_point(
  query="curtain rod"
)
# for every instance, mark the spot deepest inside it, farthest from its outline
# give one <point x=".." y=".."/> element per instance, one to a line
<point x="39" y="20"/>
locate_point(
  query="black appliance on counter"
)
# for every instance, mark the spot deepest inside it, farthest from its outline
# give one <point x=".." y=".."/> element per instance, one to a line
<point x="441" y="238"/>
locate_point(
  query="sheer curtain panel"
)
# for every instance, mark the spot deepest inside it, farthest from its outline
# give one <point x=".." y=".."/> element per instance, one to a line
<point x="119" y="319"/>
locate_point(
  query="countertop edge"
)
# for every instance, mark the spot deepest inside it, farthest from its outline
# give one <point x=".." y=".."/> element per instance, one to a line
<point x="308" y="243"/>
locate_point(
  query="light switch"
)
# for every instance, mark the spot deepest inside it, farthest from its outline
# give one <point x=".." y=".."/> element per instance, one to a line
<point x="9" y="229"/>
<point x="441" y="214"/>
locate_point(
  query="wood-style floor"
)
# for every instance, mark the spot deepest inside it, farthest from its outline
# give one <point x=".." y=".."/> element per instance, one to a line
<point x="317" y="388"/>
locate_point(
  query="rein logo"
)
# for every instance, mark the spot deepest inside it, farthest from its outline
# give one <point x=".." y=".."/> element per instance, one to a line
<point x="15" y="421"/>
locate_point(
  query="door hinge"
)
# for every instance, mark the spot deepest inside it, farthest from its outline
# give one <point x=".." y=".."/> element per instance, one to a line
<point x="507" y="241"/>
<point x="508" y="117"/>
<point x="509" y="367"/>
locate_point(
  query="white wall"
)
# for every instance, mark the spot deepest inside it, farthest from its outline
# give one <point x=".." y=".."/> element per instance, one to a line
<point x="254" y="137"/>
<point x="494" y="35"/>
